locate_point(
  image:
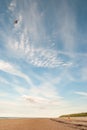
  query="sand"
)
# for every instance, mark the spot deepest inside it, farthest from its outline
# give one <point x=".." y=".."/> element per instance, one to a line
<point x="40" y="124"/>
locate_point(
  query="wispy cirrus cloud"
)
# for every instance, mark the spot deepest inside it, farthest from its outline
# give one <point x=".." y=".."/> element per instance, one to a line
<point x="11" y="69"/>
<point x="67" y="28"/>
<point x="30" y="33"/>
<point x="84" y="94"/>
<point x="29" y="38"/>
<point x="44" y="95"/>
<point x="12" y="5"/>
<point x="40" y="57"/>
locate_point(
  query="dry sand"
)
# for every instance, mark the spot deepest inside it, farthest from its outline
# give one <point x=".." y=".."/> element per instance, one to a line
<point x="40" y="124"/>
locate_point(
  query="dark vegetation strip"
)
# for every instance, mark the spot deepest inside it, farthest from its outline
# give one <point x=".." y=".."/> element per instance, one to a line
<point x="76" y="115"/>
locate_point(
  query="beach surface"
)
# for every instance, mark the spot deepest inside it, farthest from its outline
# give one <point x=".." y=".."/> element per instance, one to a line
<point x="42" y="124"/>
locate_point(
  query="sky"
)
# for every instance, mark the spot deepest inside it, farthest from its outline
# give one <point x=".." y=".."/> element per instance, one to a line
<point x="43" y="57"/>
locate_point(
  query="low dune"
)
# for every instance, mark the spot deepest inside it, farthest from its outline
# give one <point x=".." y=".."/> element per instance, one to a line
<point x="39" y="124"/>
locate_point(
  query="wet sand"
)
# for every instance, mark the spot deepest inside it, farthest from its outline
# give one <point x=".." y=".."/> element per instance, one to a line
<point x="40" y="124"/>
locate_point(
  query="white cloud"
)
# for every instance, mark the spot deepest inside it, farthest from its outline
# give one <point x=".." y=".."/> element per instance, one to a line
<point x="82" y="93"/>
<point x="30" y="32"/>
<point x="43" y="99"/>
<point x="44" y="95"/>
<point x="33" y="21"/>
<point x="12" y="5"/>
<point x="34" y="99"/>
<point x="11" y="69"/>
<point x="27" y="37"/>
<point x="39" y="57"/>
<point x="67" y="30"/>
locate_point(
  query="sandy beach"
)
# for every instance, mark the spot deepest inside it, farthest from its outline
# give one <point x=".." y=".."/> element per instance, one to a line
<point x="40" y="124"/>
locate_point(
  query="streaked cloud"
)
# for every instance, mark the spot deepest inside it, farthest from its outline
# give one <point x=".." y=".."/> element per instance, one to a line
<point x="11" y="69"/>
<point x="81" y="93"/>
<point x="41" y="57"/>
<point x="66" y="27"/>
<point x="12" y="5"/>
<point x="30" y="33"/>
<point x="34" y="99"/>
<point x="44" y="95"/>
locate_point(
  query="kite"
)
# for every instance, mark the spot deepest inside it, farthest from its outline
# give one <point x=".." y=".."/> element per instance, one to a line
<point x="16" y="21"/>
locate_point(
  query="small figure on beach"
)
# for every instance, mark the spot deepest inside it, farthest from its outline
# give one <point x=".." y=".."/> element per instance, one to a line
<point x="69" y="118"/>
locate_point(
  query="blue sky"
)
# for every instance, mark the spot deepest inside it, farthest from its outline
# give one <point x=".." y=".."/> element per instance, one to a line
<point x="43" y="58"/>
